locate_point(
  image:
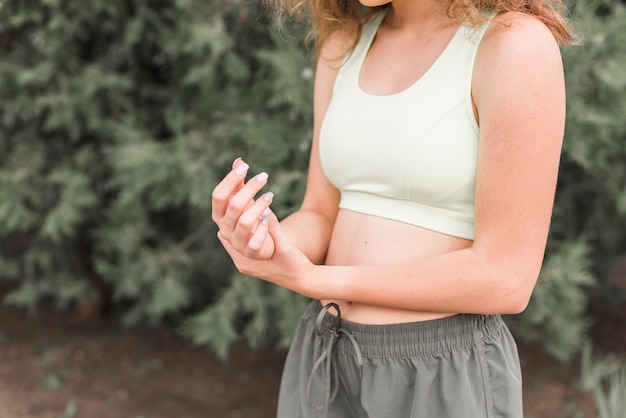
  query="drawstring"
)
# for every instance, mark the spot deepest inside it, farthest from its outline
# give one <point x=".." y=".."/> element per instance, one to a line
<point x="335" y="330"/>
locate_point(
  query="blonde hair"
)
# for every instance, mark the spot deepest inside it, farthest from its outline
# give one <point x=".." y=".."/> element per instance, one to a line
<point x="328" y="16"/>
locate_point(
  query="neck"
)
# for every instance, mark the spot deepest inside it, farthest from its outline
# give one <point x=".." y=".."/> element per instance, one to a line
<point x="422" y="15"/>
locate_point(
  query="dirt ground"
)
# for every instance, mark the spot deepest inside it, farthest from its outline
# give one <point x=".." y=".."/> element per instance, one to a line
<point x="56" y="366"/>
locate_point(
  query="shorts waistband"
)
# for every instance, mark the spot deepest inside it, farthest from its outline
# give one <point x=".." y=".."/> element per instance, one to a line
<point x="414" y="338"/>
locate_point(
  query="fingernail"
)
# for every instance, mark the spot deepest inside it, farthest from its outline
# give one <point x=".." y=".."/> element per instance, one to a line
<point x="264" y="220"/>
<point x="262" y="177"/>
<point x="236" y="161"/>
<point x="266" y="213"/>
<point x="268" y="196"/>
<point x="242" y="169"/>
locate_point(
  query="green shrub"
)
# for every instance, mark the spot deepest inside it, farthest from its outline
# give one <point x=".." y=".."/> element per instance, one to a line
<point x="606" y="379"/>
<point x="117" y="120"/>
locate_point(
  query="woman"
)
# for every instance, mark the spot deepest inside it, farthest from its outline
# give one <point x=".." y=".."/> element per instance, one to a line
<point x="437" y="132"/>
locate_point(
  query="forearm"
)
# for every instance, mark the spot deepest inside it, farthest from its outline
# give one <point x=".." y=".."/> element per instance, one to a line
<point x="459" y="282"/>
<point x="310" y="232"/>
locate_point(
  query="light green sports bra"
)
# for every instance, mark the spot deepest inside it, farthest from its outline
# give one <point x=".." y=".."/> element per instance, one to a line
<point x="409" y="156"/>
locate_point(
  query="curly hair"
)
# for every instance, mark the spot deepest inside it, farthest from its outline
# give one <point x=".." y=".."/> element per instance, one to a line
<point x="328" y="16"/>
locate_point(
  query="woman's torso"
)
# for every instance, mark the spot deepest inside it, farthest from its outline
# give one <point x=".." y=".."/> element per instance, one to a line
<point x="361" y="238"/>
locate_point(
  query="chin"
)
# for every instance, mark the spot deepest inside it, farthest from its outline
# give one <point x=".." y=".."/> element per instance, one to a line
<point x="374" y="3"/>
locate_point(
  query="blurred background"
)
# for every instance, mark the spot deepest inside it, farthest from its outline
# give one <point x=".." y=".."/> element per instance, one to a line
<point x="117" y="119"/>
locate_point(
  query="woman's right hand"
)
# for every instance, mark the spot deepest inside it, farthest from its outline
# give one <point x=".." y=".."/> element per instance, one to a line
<point x="242" y="220"/>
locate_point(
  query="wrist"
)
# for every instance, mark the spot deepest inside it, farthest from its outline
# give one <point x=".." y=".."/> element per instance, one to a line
<point x="312" y="282"/>
<point x="322" y="282"/>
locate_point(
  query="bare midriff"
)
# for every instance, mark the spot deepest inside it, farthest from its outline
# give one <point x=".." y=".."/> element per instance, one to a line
<point x="360" y="239"/>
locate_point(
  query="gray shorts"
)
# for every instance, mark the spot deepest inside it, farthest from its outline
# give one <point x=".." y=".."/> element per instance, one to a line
<point x="464" y="366"/>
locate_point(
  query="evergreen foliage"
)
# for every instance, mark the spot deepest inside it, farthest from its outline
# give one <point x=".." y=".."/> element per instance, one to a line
<point x="118" y="118"/>
<point x="606" y="379"/>
<point x="593" y="181"/>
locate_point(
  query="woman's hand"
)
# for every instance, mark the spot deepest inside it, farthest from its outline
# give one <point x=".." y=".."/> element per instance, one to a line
<point x="251" y="233"/>
<point x="287" y="267"/>
<point x="242" y="220"/>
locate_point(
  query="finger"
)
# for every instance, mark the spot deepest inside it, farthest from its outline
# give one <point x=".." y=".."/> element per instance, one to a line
<point x="241" y="201"/>
<point x="249" y="219"/>
<point x="232" y="252"/>
<point x="260" y="235"/>
<point x="281" y="242"/>
<point x="229" y="186"/>
<point x="238" y="161"/>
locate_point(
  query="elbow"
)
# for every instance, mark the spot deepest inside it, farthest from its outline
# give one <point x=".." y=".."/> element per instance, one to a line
<point x="516" y="293"/>
<point x="510" y="277"/>
<point x="510" y="282"/>
<point x="516" y="307"/>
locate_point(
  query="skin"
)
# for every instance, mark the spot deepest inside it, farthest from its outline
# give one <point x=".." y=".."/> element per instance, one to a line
<point x="382" y="271"/>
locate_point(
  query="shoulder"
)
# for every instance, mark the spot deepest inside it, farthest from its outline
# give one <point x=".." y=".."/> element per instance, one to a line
<point x="516" y="38"/>
<point x="330" y="59"/>
<point x="518" y="56"/>
<point x="335" y="48"/>
<point x="342" y="42"/>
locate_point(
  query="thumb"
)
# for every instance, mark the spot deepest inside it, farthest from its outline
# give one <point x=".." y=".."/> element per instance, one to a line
<point x="281" y="242"/>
